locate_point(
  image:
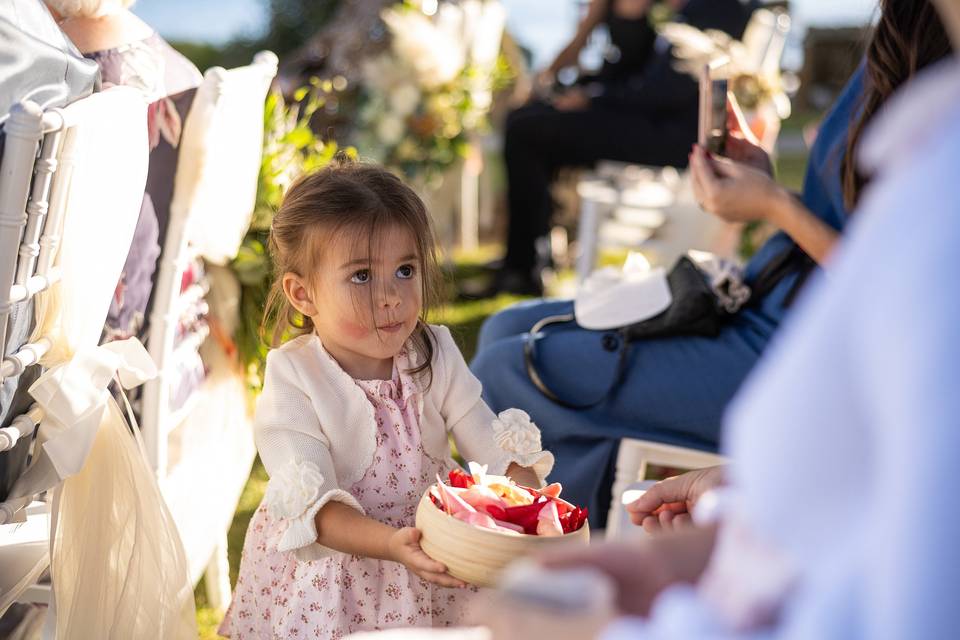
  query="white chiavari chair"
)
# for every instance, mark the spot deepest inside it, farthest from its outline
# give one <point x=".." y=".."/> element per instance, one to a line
<point x="205" y="447"/>
<point x="38" y="201"/>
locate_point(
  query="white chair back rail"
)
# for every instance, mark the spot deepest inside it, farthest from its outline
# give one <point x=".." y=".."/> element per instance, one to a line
<point x="23" y="131"/>
<point x="39" y="204"/>
<point x="22" y="426"/>
<point x="213" y="200"/>
<point x="633" y="459"/>
<point x="28" y="280"/>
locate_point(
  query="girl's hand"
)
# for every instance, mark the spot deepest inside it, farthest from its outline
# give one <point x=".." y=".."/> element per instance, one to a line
<point x="734" y="191"/>
<point x="404" y="547"/>
<point x="667" y="505"/>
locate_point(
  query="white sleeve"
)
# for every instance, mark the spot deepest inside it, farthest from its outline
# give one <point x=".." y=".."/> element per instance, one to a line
<point x="296" y="455"/>
<point x="479" y="434"/>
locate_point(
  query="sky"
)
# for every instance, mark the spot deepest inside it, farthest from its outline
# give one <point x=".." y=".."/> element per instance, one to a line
<point x="544" y="32"/>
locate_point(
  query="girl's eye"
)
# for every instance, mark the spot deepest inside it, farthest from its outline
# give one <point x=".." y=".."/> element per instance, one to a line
<point x="361" y="277"/>
<point x="405" y="271"/>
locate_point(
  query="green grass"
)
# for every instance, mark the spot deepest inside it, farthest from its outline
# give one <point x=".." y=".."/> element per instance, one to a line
<point x="209" y="618"/>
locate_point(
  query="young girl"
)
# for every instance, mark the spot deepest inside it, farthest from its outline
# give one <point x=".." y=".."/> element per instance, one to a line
<point x="354" y="419"/>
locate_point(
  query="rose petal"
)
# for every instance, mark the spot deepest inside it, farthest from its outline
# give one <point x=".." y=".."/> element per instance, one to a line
<point x="548" y="521"/>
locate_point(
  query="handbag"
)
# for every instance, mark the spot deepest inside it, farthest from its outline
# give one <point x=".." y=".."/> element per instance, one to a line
<point x="695" y="310"/>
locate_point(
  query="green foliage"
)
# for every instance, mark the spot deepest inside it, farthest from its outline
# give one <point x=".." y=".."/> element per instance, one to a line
<point x="290" y="149"/>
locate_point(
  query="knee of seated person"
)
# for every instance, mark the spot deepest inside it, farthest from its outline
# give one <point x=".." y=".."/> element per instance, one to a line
<point x="493" y="361"/>
<point x="494" y="328"/>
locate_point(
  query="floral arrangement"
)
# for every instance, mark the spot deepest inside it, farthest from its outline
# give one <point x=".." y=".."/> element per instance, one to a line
<point x="499" y="504"/>
<point x="290" y="149"/>
<point x="424" y="95"/>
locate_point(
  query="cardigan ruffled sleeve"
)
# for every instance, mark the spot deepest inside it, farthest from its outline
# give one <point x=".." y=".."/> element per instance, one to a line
<point x="481" y="435"/>
<point x="296" y="455"/>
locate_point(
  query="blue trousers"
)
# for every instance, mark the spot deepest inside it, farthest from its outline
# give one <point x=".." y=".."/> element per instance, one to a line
<point x="674" y="390"/>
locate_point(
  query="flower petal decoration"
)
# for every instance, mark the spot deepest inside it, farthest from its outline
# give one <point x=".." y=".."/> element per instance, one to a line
<point x="515" y="432"/>
<point x="294" y="489"/>
<point x="548" y="520"/>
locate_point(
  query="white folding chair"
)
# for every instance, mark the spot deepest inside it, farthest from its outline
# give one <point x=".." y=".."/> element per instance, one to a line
<point x="213" y="200"/>
<point x="54" y="168"/>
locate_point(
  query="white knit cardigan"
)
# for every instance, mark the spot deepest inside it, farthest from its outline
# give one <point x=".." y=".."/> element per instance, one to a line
<point x="316" y="432"/>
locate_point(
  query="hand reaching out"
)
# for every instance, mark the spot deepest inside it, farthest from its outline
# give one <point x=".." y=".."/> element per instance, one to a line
<point x="667" y="505"/>
<point x="404" y="547"/>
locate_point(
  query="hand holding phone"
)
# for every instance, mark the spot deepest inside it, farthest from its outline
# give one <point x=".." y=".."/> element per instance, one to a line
<point x="712" y="134"/>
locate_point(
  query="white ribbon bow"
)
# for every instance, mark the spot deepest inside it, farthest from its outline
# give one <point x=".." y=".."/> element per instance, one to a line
<point x="74" y="396"/>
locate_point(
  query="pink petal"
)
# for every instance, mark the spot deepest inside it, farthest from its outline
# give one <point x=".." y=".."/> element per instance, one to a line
<point x="482" y="520"/>
<point x="452" y="502"/>
<point x="481" y="497"/>
<point x="548" y="521"/>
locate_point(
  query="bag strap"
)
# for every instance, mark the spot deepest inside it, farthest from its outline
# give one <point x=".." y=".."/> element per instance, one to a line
<point x="793" y="259"/>
<point x="534" y="375"/>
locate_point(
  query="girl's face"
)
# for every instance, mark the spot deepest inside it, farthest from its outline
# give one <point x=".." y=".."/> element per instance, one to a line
<point x="364" y="307"/>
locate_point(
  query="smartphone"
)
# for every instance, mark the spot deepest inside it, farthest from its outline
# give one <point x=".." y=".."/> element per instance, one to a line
<point x="712" y="134"/>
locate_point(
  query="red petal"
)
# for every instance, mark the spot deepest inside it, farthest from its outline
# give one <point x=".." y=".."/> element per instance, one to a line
<point x="460" y="479"/>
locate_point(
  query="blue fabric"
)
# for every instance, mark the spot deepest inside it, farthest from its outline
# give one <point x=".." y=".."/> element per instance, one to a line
<point x="675" y="390"/>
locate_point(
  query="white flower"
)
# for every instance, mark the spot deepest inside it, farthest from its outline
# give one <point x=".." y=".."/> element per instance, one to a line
<point x="435" y="54"/>
<point x="292" y="490"/>
<point x="390" y="129"/>
<point x="514" y="432"/>
<point x="404" y="99"/>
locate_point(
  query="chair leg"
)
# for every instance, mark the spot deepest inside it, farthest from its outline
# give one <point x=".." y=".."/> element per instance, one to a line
<point x="630" y="459"/>
<point x="587" y="238"/>
<point x="218" y="576"/>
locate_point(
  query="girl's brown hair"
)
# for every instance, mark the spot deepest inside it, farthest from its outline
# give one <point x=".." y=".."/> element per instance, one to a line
<point x="355" y="198"/>
<point x="908" y="37"/>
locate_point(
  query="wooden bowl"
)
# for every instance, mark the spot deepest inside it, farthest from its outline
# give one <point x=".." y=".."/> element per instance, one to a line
<point x="477" y="555"/>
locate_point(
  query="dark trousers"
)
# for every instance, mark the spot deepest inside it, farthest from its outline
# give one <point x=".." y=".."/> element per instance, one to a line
<point x="539" y="140"/>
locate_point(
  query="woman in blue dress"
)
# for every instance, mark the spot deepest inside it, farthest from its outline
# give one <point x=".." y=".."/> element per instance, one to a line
<point x="675" y="390"/>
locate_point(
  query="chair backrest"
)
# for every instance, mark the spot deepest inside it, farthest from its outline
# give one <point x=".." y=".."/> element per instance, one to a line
<point x="213" y="199"/>
<point x="74" y="227"/>
<point x="219" y="161"/>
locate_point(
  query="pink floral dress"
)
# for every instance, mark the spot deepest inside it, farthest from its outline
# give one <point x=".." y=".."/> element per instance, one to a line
<point x="278" y="596"/>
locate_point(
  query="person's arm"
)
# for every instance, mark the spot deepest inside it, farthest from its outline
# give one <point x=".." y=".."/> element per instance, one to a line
<point x="660" y="89"/>
<point x="740" y="193"/>
<point x="642" y="569"/>
<point x="570" y="54"/>
<point x="342" y="528"/>
<point x="105" y="32"/>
